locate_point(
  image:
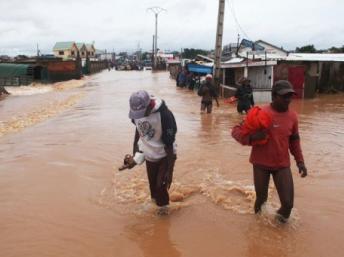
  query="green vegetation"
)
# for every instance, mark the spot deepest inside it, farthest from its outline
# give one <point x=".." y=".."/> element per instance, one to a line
<point x="191" y="53"/>
<point x="311" y="49"/>
<point x="306" y="49"/>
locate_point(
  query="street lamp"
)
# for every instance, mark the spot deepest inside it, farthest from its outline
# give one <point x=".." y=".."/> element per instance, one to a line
<point x="156" y="10"/>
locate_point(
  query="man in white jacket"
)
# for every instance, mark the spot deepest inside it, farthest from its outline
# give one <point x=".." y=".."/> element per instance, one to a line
<point x="154" y="143"/>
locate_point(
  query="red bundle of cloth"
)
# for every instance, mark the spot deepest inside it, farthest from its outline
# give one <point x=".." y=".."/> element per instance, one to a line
<point x="256" y="119"/>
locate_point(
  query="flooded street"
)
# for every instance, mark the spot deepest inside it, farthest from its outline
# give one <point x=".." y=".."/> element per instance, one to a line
<point x="61" y="193"/>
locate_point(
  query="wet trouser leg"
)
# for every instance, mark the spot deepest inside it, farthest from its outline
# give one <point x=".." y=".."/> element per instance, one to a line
<point x="158" y="189"/>
<point x="206" y="105"/>
<point x="283" y="180"/>
<point x="261" y="179"/>
<point x="209" y="108"/>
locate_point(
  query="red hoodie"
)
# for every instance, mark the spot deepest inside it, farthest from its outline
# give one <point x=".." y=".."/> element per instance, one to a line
<point x="274" y="154"/>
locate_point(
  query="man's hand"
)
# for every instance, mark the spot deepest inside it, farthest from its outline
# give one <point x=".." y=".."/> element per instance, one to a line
<point x="302" y="169"/>
<point x="128" y="162"/>
<point x="259" y="135"/>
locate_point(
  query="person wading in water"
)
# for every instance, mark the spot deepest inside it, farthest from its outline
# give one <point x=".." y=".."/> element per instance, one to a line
<point x="154" y="143"/>
<point x="208" y="93"/>
<point x="244" y="94"/>
<point x="272" y="157"/>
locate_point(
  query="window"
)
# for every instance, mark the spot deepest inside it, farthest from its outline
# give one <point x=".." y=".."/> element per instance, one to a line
<point x="72" y="53"/>
<point x="61" y="52"/>
<point x="82" y="53"/>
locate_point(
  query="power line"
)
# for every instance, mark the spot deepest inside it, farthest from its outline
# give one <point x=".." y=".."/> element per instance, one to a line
<point x="232" y="9"/>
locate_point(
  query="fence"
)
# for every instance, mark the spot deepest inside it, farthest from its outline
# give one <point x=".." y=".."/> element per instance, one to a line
<point x="16" y="81"/>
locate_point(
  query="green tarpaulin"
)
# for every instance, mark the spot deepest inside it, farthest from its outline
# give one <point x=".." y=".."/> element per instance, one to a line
<point x="8" y="70"/>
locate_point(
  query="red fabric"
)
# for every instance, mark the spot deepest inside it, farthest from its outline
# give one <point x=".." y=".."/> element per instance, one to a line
<point x="255" y="120"/>
<point x="274" y="153"/>
<point x="230" y="100"/>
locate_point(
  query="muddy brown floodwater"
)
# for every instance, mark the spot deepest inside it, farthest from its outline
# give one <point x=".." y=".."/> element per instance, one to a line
<point x="61" y="193"/>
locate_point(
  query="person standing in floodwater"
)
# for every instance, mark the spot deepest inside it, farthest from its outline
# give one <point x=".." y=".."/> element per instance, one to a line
<point x="208" y="93"/>
<point x="244" y="94"/>
<point x="154" y="143"/>
<point x="272" y="157"/>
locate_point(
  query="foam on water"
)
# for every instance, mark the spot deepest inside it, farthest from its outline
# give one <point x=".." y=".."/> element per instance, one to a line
<point x="18" y="123"/>
<point x="38" y="88"/>
<point x="40" y="113"/>
<point x="32" y="89"/>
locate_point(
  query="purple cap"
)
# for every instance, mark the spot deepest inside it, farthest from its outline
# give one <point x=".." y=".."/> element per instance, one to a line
<point x="139" y="101"/>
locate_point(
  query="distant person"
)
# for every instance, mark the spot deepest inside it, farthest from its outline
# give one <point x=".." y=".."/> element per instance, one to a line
<point x="208" y="93"/>
<point x="244" y="94"/>
<point x="181" y="79"/>
<point x="270" y="150"/>
<point x="192" y="82"/>
<point x="154" y="143"/>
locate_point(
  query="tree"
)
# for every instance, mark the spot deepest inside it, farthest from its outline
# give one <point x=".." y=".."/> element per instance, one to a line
<point x="306" y="49"/>
<point x="334" y="49"/>
<point x="191" y="53"/>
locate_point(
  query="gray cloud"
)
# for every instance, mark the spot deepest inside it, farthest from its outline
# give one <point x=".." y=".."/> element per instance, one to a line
<point x="123" y="24"/>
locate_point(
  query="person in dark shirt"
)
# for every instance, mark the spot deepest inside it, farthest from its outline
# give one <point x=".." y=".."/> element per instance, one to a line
<point x="208" y="93"/>
<point x="244" y="94"/>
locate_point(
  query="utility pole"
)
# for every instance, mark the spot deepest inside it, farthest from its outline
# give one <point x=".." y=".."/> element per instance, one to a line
<point x="156" y="10"/>
<point x="238" y="44"/>
<point x="218" y="43"/>
<point x="38" y="52"/>
<point x="153" y="50"/>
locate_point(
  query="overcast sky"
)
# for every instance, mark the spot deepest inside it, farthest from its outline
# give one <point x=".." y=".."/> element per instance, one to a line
<point x="125" y="25"/>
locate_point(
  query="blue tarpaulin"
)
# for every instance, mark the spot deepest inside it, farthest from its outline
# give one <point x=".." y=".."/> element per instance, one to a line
<point x="199" y="68"/>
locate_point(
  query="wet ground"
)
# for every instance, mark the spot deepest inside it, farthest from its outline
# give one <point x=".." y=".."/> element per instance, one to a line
<point x="61" y="193"/>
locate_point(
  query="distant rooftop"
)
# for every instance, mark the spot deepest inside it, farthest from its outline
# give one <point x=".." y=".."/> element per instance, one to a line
<point x="315" y="57"/>
<point x="63" y="45"/>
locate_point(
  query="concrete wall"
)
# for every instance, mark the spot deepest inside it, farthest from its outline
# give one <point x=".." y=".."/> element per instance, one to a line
<point x="331" y="77"/>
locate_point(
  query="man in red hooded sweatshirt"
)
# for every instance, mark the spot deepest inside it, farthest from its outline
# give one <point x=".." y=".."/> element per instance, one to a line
<point x="272" y="158"/>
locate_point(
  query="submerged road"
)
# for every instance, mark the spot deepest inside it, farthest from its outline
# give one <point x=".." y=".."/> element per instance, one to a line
<point x="61" y="193"/>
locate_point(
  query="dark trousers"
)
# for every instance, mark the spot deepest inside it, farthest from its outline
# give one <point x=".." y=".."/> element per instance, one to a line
<point x="207" y="105"/>
<point x="284" y="184"/>
<point x="158" y="185"/>
<point x="243" y="106"/>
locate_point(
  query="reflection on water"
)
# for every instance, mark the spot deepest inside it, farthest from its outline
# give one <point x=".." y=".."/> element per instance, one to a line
<point x="61" y="193"/>
<point x="271" y="241"/>
<point x="153" y="237"/>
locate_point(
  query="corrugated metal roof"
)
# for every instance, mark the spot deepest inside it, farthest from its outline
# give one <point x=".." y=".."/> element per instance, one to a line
<point x="315" y="57"/>
<point x="235" y="60"/>
<point x="63" y="45"/>
<point x="240" y="62"/>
